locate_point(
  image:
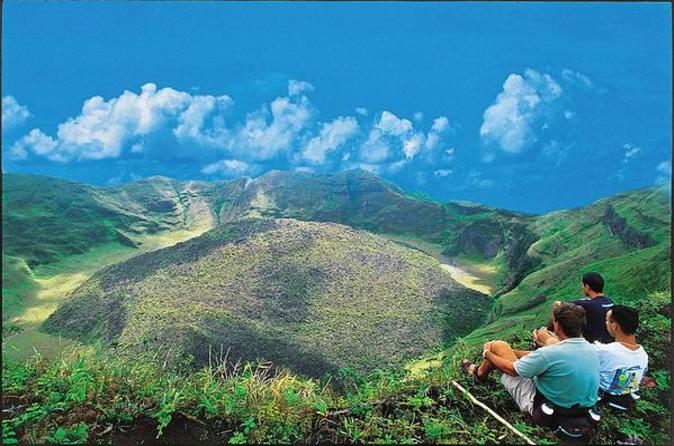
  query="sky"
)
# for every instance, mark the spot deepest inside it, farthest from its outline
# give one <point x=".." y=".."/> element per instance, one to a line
<point x="526" y="106"/>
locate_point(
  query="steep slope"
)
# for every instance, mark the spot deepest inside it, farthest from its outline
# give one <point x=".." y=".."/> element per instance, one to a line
<point x="45" y="219"/>
<point x="625" y="237"/>
<point x="310" y="296"/>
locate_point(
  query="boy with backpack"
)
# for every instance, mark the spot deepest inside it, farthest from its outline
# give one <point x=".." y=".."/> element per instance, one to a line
<point x="623" y="363"/>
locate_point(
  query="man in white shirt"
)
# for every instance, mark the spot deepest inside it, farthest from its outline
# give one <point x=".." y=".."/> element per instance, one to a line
<point x="622" y="363"/>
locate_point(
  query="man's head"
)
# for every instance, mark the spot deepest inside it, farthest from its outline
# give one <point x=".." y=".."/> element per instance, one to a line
<point x="593" y="284"/>
<point x="622" y="320"/>
<point x="569" y="320"/>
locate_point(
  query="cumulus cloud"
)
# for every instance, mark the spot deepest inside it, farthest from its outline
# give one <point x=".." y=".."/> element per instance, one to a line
<point x="285" y="131"/>
<point x="393" y="125"/>
<point x="192" y="121"/>
<point x="509" y="122"/>
<point x="332" y="135"/>
<point x="273" y="129"/>
<point x="391" y="133"/>
<point x="440" y="126"/>
<point x="105" y="127"/>
<point x="299" y="88"/>
<point x="227" y="167"/>
<point x="413" y="144"/>
<point x="38" y="143"/>
<point x="375" y="149"/>
<point x="13" y="113"/>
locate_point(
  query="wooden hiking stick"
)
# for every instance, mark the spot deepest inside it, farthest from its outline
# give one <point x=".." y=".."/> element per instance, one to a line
<point x="492" y="413"/>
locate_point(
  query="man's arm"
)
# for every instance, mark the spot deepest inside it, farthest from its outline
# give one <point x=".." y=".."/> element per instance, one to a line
<point x="521" y="353"/>
<point x="504" y="365"/>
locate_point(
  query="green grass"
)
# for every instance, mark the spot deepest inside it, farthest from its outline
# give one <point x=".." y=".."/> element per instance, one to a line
<point x="79" y="395"/>
<point x="52" y="246"/>
<point x="310" y="296"/>
<point x="30" y="296"/>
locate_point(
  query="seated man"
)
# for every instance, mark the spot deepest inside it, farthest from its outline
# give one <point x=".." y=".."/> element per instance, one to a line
<point x="565" y="374"/>
<point x="622" y="363"/>
<point x="596" y="306"/>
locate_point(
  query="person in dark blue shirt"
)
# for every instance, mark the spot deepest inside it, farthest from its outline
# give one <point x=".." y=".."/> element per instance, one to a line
<point x="596" y="306"/>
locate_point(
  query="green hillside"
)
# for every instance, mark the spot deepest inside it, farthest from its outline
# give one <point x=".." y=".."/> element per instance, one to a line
<point x="370" y="305"/>
<point x="46" y="219"/>
<point x="361" y="199"/>
<point x="314" y="297"/>
<point x="573" y="242"/>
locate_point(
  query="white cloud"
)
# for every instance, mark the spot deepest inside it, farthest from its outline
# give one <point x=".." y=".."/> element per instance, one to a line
<point x="361" y="111"/>
<point x="332" y="135"/>
<point x="664" y="170"/>
<point x="13" y="113"/>
<point x="138" y="148"/>
<point x="392" y="125"/>
<point x="576" y="77"/>
<point x="227" y="167"/>
<point x="630" y="151"/>
<point x="192" y="121"/>
<point x="441" y="173"/>
<point x="440" y="126"/>
<point x="508" y="122"/>
<point x="375" y="149"/>
<point x="299" y="88"/>
<point x="419" y="116"/>
<point x="200" y="127"/>
<point x="36" y="142"/>
<point x="664" y="167"/>
<point x="104" y="128"/>
<point x="568" y="114"/>
<point x="271" y="130"/>
<point x="413" y="144"/>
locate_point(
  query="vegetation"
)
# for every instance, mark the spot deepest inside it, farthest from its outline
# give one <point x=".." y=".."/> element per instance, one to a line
<point x="84" y="396"/>
<point x="46" y="219"/>
<point x="314" y="297"/>
<point x="300" y="294"/>
<point x="573" y="242"/>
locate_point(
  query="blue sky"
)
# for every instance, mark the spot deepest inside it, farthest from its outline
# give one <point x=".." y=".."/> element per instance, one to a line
<point x="526" y="106"/>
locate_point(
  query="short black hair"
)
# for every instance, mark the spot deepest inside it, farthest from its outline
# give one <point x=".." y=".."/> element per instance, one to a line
<point x="626" y="317"/>
<point x="572" y="318"/>
<point x="595" y="281"/>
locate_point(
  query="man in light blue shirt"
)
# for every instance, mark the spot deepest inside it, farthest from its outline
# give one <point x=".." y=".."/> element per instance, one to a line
<point x="566" y="373"/>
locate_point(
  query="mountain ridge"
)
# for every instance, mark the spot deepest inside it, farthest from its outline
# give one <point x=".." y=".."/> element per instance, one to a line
<point x="122" y="213"/>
